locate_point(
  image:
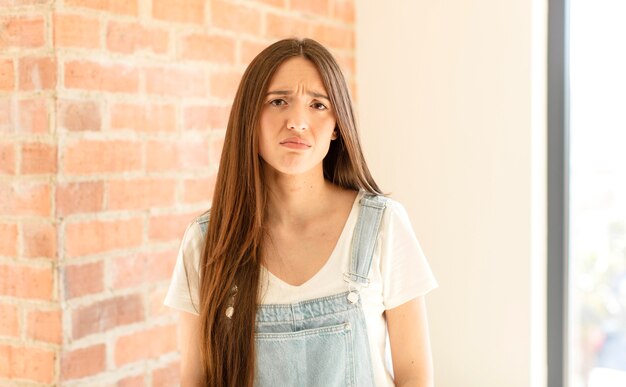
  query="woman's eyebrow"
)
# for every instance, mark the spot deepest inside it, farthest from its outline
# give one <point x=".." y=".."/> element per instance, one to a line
<point x="289" y="92"/>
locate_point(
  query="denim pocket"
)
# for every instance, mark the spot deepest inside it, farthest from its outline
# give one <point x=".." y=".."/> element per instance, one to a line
<point x="312" y="357"/>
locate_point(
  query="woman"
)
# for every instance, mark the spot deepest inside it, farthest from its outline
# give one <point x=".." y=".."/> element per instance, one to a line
<point x="301" y="267"/>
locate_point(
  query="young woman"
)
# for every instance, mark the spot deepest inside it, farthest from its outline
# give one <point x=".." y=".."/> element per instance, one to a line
<point x="301" y="268"/>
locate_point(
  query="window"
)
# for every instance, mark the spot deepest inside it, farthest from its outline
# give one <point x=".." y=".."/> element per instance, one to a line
<point x="587" y="194"/>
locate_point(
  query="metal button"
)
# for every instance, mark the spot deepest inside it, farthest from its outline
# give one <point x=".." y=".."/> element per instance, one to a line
<point x="353" y="297"/>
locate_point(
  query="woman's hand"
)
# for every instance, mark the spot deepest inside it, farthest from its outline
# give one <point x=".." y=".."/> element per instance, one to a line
<point x="410" y="344"/>
<point x="189" y="343"/>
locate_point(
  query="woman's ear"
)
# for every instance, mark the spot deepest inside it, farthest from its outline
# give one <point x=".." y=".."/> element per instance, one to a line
<point x="334" y="135"/>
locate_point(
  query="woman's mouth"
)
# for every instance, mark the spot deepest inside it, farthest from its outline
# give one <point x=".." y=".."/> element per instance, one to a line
<point x="295" y="143"/>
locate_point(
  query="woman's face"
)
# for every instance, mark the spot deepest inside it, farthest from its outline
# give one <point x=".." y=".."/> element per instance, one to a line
<point x="297" y="121"/>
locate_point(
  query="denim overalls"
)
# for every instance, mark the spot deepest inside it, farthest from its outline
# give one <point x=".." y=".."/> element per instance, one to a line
<point x="322" y="341"/>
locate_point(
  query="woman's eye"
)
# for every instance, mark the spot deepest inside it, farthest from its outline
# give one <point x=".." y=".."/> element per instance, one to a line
<point x="319" y="106"/>
<point x="278" y="102"/>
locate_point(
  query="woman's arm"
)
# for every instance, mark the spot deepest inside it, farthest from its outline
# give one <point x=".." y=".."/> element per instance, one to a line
<point x="188" y="340"/>
<point x="410" y="344"/>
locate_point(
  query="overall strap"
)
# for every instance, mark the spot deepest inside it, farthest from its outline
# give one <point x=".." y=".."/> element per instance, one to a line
<point x="364" y="238"/>
<point x="203" y="221"/>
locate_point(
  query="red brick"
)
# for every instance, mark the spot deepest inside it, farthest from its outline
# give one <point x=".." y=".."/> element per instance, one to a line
<point x="132" y="381"/>
<point x="343" y="10"/>
<point x="37" y="73"/>
<point x="33" y="116"/>
<point x="26" y="282"/>
<point x="249" y="50"/>
<point x="76" y="31"/>
<point x="6" y="115"/>
<point x="168" y="227"/>
<point x="8" y="242"/>
<point x="143" y="118"/>
<point x="74" y="198"/>
<point x="320" y="7"/>
<point x="224" y="84"/>
<point x="13" y="3"/>
<point x="105" y="315"/>
<point x="157" y="308"/>
<point x="33" y="364"/>
<point x="206" y="117"/>
<point x="125" y="7"/>
<point x="132" y="37"/>
<point x="141" y="194"/>
<point x="88" y="156"/>
<point x="278" y="26"/>
<point x="162" y="156"/>
<point x="39" y="239"/>
<point x="9" y="320"/>
<point x="211" y="48"/>
<point x="167" y="376"/>
<point x="334" y="37"/>
<point x="103" y="77"/>
<point x="176" y="82"/>
<point x="347" y="64"/>
<point x="128" y="271"/>
<point x="7" y="158"/>
<point x="25" y="198"/>
<point x="199" y="190"/>
<point x="235" y="17"/>
<point x="217" y="144"/>
<point x="147" y="344"/>
<point x="44" y="326"/>
<point x="273" y="3"/>
<point x="81" y="280"/>
<point x="92" y="237"/>
<point x="176" y="155"/>
<point x="7" y="75"/>
<point x="22" y="32"/>
<point x="80" y="115"/>
<point x="83" y="362"/>
<point x="189" y="11"/>
<point x="38" y="158"/>
<point x="149" y="267"/>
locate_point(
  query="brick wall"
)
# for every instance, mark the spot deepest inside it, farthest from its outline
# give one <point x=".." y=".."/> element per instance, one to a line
<point x="112" y="118"/>
<point x="30" y="314"/>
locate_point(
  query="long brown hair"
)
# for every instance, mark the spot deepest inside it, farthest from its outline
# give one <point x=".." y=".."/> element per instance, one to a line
<point x="235" y="232"/>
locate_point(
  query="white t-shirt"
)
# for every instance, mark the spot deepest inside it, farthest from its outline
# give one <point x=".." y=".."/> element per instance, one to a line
<point x="399" y="273"/>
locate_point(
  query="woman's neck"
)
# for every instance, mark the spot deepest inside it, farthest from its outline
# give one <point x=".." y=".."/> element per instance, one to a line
<point x="296" y="200"/>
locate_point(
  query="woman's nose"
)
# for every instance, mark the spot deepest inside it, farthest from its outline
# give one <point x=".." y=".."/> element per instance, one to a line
<point x="297" y="119"/>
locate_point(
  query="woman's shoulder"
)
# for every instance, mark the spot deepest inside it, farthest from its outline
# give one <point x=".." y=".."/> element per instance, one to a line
<point x="200" y="223"/>
<point x="193" y="241"/>
<point x="395" y="206"/>
<point x="391" y="206"/>
<point x="394" y="213"/>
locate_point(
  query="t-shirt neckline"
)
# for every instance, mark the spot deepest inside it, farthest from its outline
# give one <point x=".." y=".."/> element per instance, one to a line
<point x="329" y="262"/>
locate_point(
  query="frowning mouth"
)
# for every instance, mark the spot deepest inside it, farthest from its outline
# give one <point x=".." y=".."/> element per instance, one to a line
<point x="295" y="142"/>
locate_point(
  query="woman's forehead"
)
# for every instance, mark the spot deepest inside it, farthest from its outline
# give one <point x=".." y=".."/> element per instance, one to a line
<point x="297" y="72"/>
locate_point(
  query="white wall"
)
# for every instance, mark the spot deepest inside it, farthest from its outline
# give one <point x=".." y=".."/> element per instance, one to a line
<point x="451" y="102"/>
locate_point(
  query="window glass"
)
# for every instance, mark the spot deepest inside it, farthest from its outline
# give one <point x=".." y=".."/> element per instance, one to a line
<point x="597" y="122"/>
